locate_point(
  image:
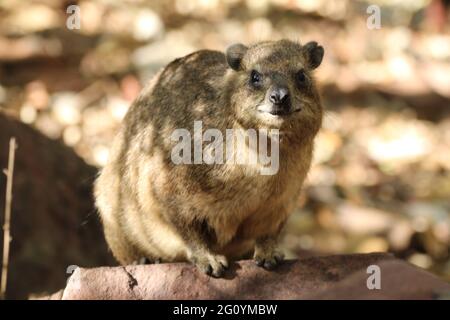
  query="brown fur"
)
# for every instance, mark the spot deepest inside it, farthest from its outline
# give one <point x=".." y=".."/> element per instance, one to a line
<point x="152" y="208"/>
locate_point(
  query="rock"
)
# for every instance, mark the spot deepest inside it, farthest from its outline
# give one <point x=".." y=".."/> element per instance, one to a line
<point x="329" y="277"/>
<point x="399" y="280"/>
<point x="53" y="220"/>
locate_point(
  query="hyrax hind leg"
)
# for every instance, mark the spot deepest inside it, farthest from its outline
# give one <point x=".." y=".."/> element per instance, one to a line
<point x="124" y="252"/>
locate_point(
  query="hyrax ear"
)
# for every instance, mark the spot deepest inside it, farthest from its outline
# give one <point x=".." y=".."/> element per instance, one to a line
<point x="313" y="53"/>
<point x="234" y="55"/>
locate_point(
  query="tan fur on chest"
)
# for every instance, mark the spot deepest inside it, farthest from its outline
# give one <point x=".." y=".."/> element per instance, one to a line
<point x="265" y="207"/>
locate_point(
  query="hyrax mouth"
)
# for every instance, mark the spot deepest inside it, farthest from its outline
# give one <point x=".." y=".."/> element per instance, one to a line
<point x="276" y="110"/>
<point x="282" y="112"/>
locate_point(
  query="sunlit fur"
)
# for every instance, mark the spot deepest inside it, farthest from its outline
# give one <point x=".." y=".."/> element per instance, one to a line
<point x="152" y="208"/>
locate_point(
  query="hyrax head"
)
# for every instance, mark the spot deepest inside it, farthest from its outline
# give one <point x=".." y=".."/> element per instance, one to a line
<point x="273" y="84"/>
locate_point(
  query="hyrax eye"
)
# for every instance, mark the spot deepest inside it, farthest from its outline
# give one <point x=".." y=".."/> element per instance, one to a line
<point x="301" y="78"/>
<point x="255" y="78"/>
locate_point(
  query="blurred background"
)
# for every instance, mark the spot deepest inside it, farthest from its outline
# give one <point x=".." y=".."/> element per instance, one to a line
<point x="381" y="174"/>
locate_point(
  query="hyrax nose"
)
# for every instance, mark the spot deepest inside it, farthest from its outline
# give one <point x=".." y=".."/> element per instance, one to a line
<point x="279" y="95"/>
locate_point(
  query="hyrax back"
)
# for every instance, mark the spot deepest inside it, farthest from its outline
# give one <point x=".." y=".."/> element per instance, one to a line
<point x="156" y="208"/>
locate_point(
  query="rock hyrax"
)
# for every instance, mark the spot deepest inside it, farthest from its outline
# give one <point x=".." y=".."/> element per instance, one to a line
<point x="207" y="212"/>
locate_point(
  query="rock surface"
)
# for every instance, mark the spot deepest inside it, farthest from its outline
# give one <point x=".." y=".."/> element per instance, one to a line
<point x="327" y="277"/>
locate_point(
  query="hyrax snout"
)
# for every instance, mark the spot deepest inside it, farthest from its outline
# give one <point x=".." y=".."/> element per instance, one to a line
<point x="211" y="157"/>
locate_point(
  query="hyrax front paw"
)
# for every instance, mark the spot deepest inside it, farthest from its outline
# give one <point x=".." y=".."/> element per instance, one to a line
<point x="268" y="259"/>
<point x="211" y="264"/>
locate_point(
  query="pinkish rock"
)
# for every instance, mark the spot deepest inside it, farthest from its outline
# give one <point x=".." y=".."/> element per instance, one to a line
<point x="327" y="277"/>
